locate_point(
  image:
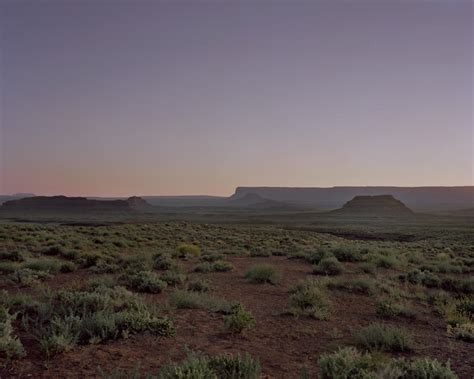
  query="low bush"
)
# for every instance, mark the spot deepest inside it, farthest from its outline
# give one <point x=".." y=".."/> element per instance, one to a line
<point x="360" y="286"/>
<point x="310" y="298"/>
<point x="143" y="281"/>
<point x="63" y="319"/>
<point x="13" y="256"/>
<point x="384" y="338"/>
<point x="51" y="266"/>
<point x="218" y="266"/>
<point x="211" y="257"/>
<point x="328" y="266"/>
<point x="10" y="346"/>
<point x="199" y="285"/>
<point x="263" y="274"/>
<point x="388" y="308"/>
<point x="348" y="363"/>
<point x="173" y="277"/>
<point x="28" y="277"/>
<point x="239" y="319"/>
<point x="164" y="262"/>
<point x="186" y="250"/>
<point x="215" y="367"/>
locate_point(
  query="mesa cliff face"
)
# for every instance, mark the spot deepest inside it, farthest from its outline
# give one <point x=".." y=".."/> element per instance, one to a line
<point x="421" y="198"/>
<point x="64" y="204"/>
<point x="376" y="206"/>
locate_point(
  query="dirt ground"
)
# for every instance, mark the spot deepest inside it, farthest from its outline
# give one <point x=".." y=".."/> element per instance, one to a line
<point x="283" y="344"/>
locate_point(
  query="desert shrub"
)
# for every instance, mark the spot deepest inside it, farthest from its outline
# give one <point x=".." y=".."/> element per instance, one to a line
<point x="368" y="267"/>
<point x="318" y="255"/>
<point x="215" y="367"/>
<point x="28" y="277"/>
<point x="50" y="266"/>
<point x="10" y="346"/>
<point x="328" y="266"/>
<point x="260" y="253"/>
<point x="13" y="256"/>
<point x="53" y="250"/>
<point x="361" y="286"/>
<point x="136" y="263"/>
<point x="67" y="267"/>
<point x="310" y="298"/>
<point x="173" y="277"/>
<point x="218" y="266"/>
<point x="164" y="262"/>
<point x="384" y="261"/>
<point x="239" y="319"/>
<point x="384" y="338"/>
<point x="387" y="308"/>
<point x="211" y="257"/>
<point x="63" y="319"/>
<point x="298" y="255"/>
<point x="197" y="300"/>
<point x="8" y="267"/>
<point x="348" y="363"/>
<point x="103" y="267"/>
<point x="87" y="260"/>
<point x="279" y="253"/>
<point x="199" y="285"/>
<point x="459" y="315"/>
<point x="263" y="274"/>
<point x="143" y="281"/>
<point x="185" y="250"/>
<point x="346" y="254"/>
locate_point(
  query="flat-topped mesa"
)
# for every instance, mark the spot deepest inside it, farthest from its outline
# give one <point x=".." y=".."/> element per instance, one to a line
<point x="380" y="205"/>
<point x="73" y="204"/>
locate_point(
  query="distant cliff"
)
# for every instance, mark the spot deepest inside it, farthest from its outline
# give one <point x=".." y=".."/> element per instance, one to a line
<point x="419" y="198"/>
<point x="374" y="206"/>
<point x="63" y="204"/>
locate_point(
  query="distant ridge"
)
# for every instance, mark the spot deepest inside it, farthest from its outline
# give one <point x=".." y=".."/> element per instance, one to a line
<point x="420" y="198"/>
<point x="64" y="204"/>
<point x="374" y="206"/>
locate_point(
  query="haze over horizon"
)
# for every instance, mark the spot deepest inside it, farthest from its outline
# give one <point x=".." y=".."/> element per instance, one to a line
<point x="174" y="98"/>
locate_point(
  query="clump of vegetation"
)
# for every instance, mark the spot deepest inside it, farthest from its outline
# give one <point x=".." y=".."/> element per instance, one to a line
<point x="199" y="285"/>
<point x="143" y="281"/>
<point x="197" y="300"/>
<point x="63" y="319"/>
<point x="51" y="266"/>
<point x="384" y="338"/>
<point x="212" y="257"/>
<point x="239" y="319"/>
<point x="310" y="298"/>
<point x="348" y="362"/>
<point x="260" y="253"/>
<point x="263" y="274"/>
<point x="459" y="316"/>
<point x="388" y="308"/>
<point x="217" y="266"/>
<point x="10" y="346"/>
<point x="328" y="266"/>
<point x="12" y="255"/>
<point x="28" y="277"/>
<point x="173" y="277"/>
<point x="164" y="262"/>
<point x="215" y="367"/>
<point x="186" y="250"/>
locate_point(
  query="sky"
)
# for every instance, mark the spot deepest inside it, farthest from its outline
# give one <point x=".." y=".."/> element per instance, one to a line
<point x="119" y="98"/>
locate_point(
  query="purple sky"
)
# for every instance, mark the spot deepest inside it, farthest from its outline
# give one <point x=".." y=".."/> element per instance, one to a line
<point x="173" y="97"/>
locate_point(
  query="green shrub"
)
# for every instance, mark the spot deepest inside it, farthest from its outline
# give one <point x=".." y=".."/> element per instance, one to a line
<point x="28" y="277"/>
<point x="199" y="285"/>
<point x="387" y="308"/>
<point x="164" y="262"/>
<point x="216" y="367"/>
<point x="185" y="250"/>
<point x="309" y="298"/>
<point x="13" y="256"/>
<point x="329" y="266"/>
<point x="197" y="300"/>
<point x="348" y="363"/>
<point x="384" y="338"/>
<point x="10" y="346"/>
<point x="346" y="254"/>
<point x="143" y="281"/>
<point x="316" y="257"/>
<point x="173" y="277"/>
<point x="239" y="319"/>
<point x="212" y="257"/>
<point x="50" y="266"/>
<point x="260" y="253"/>
<point x="67" y="267"/>
<point x="218" y="266"/>
<point x="63" y="319"/>
<point x="263" y="274"/>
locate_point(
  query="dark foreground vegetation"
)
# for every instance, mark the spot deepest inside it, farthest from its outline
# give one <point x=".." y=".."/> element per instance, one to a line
<point x="193" y="300"/>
